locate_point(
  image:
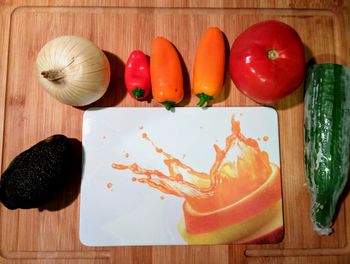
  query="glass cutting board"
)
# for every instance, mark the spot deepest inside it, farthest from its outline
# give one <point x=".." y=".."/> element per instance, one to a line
<point x="188" y="176"/>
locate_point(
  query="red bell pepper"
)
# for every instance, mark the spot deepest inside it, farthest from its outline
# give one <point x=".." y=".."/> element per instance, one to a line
<point x="137" y="75"/>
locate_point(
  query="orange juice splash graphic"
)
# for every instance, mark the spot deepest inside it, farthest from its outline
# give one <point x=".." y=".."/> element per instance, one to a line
<point x="241" y="184"/>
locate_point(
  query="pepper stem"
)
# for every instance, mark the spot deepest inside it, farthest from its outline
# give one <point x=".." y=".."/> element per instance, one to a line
<point x="203" y="98"/>
<point x="53" y="75"/>
<point x="168" y="104"/>
<point x="272" y="54"/>
<point x="138" y="92"/>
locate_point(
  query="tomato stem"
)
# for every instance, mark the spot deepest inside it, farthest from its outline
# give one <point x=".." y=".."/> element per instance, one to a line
<point x="168" y="104"/>
<point x="272" y="54"/>
<point x="138" y="92"/>
<point x="203" y="98"/>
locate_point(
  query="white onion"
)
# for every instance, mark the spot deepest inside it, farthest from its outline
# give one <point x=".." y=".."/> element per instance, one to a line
<point x="73" y="70"/>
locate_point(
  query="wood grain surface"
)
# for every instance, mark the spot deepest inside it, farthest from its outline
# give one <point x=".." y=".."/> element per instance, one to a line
<point x="28" y="114"/>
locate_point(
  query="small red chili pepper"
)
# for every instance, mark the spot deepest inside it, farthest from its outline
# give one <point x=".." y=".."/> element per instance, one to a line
<point x="137" y="75"/>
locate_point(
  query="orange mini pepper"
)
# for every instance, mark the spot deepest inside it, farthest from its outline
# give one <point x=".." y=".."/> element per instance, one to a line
<point x="166" y="73"/>
<point x="209" y="66"/>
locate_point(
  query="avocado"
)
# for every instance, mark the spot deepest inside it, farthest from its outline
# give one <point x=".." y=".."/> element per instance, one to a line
<point x="36" y="175"/>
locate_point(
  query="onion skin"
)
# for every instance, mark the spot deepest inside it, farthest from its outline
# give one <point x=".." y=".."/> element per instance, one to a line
<point x="73" y="70"/>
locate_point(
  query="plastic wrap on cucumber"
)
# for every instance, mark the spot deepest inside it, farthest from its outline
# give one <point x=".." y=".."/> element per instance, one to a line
<point x="326" y="138"/>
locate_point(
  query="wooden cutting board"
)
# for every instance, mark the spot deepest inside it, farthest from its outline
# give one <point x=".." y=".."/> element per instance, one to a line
<point x="28" y="114"/>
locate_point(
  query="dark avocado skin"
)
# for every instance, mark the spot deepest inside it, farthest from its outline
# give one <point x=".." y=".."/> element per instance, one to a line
<point x="36" y="175"/>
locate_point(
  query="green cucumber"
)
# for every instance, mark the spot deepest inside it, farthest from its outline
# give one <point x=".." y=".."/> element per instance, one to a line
<point x="327" y="139"/>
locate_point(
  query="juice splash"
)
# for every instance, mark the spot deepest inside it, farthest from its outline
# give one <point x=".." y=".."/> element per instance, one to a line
<point x="240" y="172"/>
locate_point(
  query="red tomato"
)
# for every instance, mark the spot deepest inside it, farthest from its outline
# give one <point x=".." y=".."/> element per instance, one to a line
<point x="267" y="61"/>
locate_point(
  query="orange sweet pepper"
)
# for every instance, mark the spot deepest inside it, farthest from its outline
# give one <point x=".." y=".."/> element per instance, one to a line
<point x="209" y="66"/>
<point x="166" y="73"/>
